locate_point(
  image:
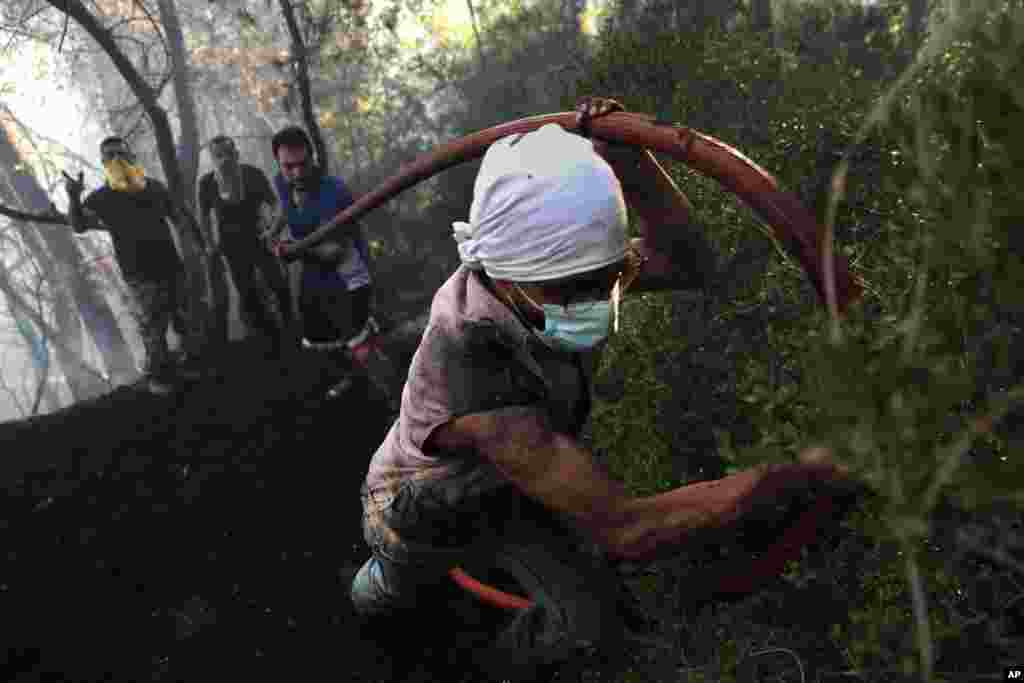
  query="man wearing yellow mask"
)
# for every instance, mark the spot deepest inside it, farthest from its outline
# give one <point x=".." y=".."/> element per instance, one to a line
<point x="134" y="209"/>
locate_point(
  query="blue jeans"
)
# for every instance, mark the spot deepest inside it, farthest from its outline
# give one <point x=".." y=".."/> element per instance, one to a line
<point x="393" y="577"/>
<point x="420" y="526"/>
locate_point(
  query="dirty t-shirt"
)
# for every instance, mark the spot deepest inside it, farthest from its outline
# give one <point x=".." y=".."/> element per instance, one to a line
<point x="475" y="356"/>
<point x="137" y="223"/>
<point x="331" y="198"/>
<point x="238" y="222"/>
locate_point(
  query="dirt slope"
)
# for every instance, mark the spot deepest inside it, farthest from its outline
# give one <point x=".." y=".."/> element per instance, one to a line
<point x="190" y="537"/>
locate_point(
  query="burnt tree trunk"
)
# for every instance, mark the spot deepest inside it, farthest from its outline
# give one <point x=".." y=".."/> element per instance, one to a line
<point x="212" y="325"/>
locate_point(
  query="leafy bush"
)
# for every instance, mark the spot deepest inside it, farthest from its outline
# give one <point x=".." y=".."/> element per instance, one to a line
<point x="917" y="179"/>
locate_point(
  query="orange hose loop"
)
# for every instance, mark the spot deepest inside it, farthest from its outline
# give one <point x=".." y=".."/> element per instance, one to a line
<point x="792" y="224"/>
<point x="488" y="594"/>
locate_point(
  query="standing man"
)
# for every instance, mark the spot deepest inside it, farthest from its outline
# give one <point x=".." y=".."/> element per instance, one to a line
<point x="135" y="210"/>
<point x="330" y="284"/>
<point x="239" y="198"/>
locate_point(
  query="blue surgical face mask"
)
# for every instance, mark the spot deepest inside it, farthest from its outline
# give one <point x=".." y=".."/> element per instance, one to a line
<point x="576" y="327"/>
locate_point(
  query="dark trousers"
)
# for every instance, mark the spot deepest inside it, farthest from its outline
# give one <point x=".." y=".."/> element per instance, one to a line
<point x="334" y="314"/>
<point x="159" y="303"/>
<point x="262" y="291"/>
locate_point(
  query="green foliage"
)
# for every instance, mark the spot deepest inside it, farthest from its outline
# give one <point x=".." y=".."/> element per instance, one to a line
<point x="912" y="393"/>
<point x="713" y="75"/>
<point x="627" y="430"/>
<point x="918" y="367"/>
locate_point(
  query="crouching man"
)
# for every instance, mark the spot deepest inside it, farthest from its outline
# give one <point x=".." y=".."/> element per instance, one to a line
<point x="498" y="390"/>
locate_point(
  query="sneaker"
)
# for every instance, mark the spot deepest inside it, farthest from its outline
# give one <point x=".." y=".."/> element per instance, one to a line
<point x="340" y="387"/>
<point x="159" y="385"/>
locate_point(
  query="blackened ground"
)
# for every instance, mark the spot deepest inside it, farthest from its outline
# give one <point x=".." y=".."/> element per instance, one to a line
<point x="194" y="537"/>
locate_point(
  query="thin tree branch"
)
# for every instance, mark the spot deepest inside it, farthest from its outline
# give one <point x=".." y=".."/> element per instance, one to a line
<point x="43" y="379"/>
<point x="156" y="29"/>
<point x="951" y="457"/>
<point x="41" y="386"/>
<point x="18" y="32"/>
<point x="920" y="606"/>
<point x="16" y="301"/>
<point x="9" y="390"/>
<point x="996" y="554"/>
<point x="158" y="92"/>
<point x="29" y="16"/>
<point x="134" y="128"/>
<point x="302" y="77"/>
<point x="55" y="218"/>
<point x="60" y="46"/>
<point x="30" y="136"/>
<point x="105" y="40"/>
<point x="476" y="36"/>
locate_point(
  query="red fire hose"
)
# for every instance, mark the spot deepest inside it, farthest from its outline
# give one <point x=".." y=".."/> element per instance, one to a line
<point x="792" y="224"/>
<point x="488" y="594"/>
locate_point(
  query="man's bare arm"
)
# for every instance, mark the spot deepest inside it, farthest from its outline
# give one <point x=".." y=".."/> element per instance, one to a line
<point x="548" y="466"/>
<point x="328" y="252"/>
<point x="559" y="472"/>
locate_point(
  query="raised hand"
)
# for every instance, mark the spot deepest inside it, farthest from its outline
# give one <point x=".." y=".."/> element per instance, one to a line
<point x="73" y="187"/>
<point x="589" y="108"/>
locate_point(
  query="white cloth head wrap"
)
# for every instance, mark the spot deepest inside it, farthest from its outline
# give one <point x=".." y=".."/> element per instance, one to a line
<point x="545" y="206"/>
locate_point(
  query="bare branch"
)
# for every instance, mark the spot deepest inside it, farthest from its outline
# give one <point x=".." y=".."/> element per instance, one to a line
<point x="17" y="302"/>
<point x="105" y="40"/>
<point x="55" y="218"/>
<point x="9" y="390"/>
<point x="920" y="607"/>
<point x="21" y="22"/>
<point x="302" y="77"/>
<point x="996" y="554"/>
<point x="134" y="128"/>
<point x="42" y="380"/>
<point x="18" y="32"/>
<point x="951" y="457"/>
<point x="60" y="46"/>
<point x="157" y="28"/>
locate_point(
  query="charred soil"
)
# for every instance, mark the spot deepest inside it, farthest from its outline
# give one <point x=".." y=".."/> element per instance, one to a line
<point x="194" y="536"/>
